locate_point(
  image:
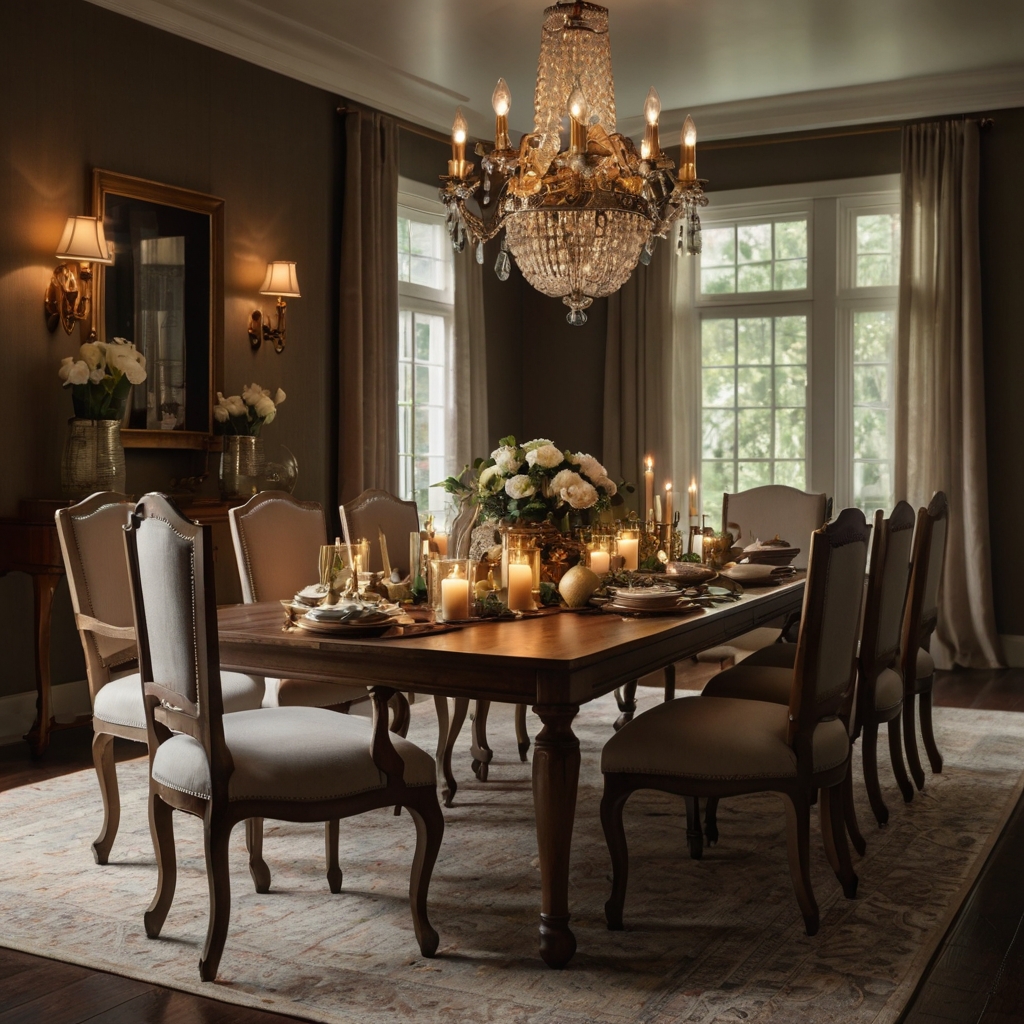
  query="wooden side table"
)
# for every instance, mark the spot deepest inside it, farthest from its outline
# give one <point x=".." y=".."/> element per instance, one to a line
<point x="29" y="544"/>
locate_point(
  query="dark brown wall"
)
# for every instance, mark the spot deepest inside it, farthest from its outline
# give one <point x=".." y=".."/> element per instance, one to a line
<point x="106" y="91"/>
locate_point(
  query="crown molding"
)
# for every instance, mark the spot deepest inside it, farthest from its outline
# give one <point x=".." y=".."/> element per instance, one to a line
<point x="255" y="34"/>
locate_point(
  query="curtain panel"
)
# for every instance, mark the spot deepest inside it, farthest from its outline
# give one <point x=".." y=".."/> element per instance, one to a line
<point x="368" y="337"/>
<point x="468" y="411"/>
<point x="637" y="375"/>
<point x="940" y="401"/>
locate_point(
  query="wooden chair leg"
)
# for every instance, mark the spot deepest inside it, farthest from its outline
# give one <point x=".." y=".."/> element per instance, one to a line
<point x="478" y="747"/>
<point x="711" y="820"/>
<point x="694" y="834"/>
<point x="448" y="729"/>
<point x="625" y="697"/>
<point x="161" y="828"/>
<point x="106" y="773"/>
<point x="910" y="740"/>
<point x="522" y="735"/>
<point x="899" y="769"/>
<point x="798" y="829"/>
<point x="670" y="682"/>
<point x="216" y="836"/>
<point x="400" y="714"/>
<point x="850" y="814"/>
<point x="332" y="836"/>
<point x="833" y="833"/>
<point x="869" y="759"/>
<point x="426" y="813"/>
<point x="927" y="732"/>
<point x="612" y="804"/>
<point x="258" y="868"/>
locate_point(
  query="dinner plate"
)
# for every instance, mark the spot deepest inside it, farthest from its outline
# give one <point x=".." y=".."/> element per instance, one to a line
<point x="757" y="574"/>
<point x="353" y="630"/>
<point x="646" y="598"/>
<point x="685" y="607"/>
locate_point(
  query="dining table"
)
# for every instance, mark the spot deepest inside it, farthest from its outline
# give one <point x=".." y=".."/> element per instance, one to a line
<point x="554" y="662"/>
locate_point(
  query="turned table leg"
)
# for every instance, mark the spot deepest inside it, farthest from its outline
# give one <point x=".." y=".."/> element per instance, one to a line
<point x="43" y="586"/>
<point x="448" y="729"/>
<point x="479" y="748"/>
<point x="556" y="772"/>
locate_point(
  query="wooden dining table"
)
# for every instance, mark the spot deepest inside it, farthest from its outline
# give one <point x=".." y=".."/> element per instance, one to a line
<point x="553" y="662"/>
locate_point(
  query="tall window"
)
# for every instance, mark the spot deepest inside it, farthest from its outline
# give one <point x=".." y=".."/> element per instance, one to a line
<point x="425" y="296"/>
<point x="794" y="319"/>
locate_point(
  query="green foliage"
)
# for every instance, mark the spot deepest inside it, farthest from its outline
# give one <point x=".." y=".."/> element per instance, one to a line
<point x="103" y="401"/>
<point x="491" y="607"/>
<point x="549" y="595"/>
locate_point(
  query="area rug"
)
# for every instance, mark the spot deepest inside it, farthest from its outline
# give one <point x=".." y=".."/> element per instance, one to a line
<point x="705" y="942"/>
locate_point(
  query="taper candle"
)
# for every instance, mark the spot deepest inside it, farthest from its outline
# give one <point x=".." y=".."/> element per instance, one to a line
<point x="668" y="502"/>
<point x="648" y="487"/>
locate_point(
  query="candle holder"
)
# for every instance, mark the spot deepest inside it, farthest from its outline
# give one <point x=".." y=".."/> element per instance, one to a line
<point x="628" y="545"/>
<point x="449" y="589"/>
<point x="519" y="548"/>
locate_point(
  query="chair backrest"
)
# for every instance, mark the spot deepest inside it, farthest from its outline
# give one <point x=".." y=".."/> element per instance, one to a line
<point x="376" y="510"/>
<point x="826" y="648"/>
<point x="277" y="545"/>
<point x="461" y="536"/>
<point x="925" y="575"/>
<point x="888" y="578"/>
<point x="764" y="512"/>
<point x="91" y="537"/>
<point x="170" y="561"/>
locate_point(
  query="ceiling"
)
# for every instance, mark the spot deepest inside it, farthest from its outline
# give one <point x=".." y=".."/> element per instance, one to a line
<point x="741" y="67"/>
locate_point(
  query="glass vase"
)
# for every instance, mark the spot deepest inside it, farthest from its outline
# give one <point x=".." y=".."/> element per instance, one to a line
<point x="242" y="466"/>
<point x="93" y="458"/>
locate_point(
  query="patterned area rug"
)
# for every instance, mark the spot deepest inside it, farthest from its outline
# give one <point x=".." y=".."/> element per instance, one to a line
<point x="711" y="941"/>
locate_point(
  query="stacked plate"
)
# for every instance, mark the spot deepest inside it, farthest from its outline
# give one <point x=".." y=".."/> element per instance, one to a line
<point x="756" y="575"/>
<point x="345" y="620"/>
<point x="646" y="599"/>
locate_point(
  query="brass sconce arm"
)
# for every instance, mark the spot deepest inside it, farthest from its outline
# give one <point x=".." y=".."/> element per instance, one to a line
<point x="260" y="330"/>
<point x="68" y="297"/>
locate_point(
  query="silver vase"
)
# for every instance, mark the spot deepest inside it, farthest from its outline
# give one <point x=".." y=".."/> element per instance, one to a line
<point x="242" y="466"/>
<point x="93" y="458"/>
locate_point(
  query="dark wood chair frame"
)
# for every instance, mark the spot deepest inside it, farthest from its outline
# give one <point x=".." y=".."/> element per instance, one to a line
<point x="919" y="623"/>
<point x="806" y="712"/>
<point x="169" y="712"/>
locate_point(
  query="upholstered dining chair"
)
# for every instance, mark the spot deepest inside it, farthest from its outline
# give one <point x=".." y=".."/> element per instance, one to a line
<point x="919" y="623"/>
<point x="288" y="763"/>
<point x="91" y="537"/>
<point x="879" y="692"/>
<point x="700" y="747"/>
<point x="377" y="511"/>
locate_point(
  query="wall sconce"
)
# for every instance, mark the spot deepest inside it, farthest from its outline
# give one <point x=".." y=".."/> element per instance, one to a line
<point x="281" y="280"/>
<point x="68" y="296"/>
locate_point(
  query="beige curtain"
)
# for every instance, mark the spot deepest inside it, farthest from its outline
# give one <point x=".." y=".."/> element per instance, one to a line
<point x="637" y="375"/>
<point x="940" y="421"/>
<point x="368" y="342"/>
<point x="468" y="412"/>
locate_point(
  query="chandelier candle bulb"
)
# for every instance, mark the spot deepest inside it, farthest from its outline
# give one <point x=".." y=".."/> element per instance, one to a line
<point x="688" y="151"/>
<point x="668" y="502"/>
<point x="651" y="145"/>
<point x="501" y="101"/>
<point x="579" y="115"/>
<point x="457" y="166"/>
<point x="455" y="595"/>
<point x="648" y="486"/>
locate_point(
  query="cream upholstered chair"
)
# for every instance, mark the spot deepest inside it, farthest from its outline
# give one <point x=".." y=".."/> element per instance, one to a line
<point x="701" y="747"/>
<point x="92" y="541"/>
<point x="879" y="699"/>
<point x="761" y="513"/>
<point x="376" y="511"/>
<point x="288" y="763"/>
<point x="918" y="625"/>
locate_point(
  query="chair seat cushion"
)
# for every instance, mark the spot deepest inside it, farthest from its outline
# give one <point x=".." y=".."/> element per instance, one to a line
<point x="774" y="656"/>
<point x="311" y="693"/>
<point x="741" y="647"/>
<point x="753" y="682"/>
<point x="718" y="738"/>
<point x="925" y="664"/>
<point x="119" y="702"/>
<point x="300" y="754"/>
<point x="888" y="690"/>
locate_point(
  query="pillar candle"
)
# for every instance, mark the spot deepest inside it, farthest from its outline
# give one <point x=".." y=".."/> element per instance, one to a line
<point x="455" y="596"/>
<point x="441" y="540"/>
<point x="520" y="587"/>
<point x="629" y="549"/>
<point x="648" y="488"/>
<point x="599" y="561"/>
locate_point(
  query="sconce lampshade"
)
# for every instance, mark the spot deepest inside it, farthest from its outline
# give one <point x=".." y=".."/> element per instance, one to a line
<point x="83" y="240"/>
<point x="281" y="280"/>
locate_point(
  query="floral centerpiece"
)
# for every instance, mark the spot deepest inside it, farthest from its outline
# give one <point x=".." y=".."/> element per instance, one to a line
<point x="245" y="414"/>
<point x="241" y="418"/>
<point x="101" y="377"/>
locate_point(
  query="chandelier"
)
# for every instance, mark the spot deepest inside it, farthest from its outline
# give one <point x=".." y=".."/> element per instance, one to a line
<point x="576" y="219"/>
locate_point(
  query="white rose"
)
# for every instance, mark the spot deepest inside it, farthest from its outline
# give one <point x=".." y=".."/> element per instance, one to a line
<point x="220" y="413"/>
<point x="591" y="468"/>
<point x="547" y="456"/>
<point x="279" y="397"/>
<point x="490" y="480"/>
<point x="506" y="459"/>
<point x="251" y="395"/>
<point x="581" y="495"/>
<point x="606" y="485"/>
<point x="563" y="479"/>
<point x="235" y="405"/>
<point x="537" y="443"/>
<point x="74" y="371"/>
<point x="96" y="375"/>
<point x="519" y="486"/>
<point x="264" y="406"/>
<point x="133" y="370"/>
<point x="92" y="355"/>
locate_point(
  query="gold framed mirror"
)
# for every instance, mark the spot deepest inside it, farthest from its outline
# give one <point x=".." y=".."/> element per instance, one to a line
<point x="165" y="293"/>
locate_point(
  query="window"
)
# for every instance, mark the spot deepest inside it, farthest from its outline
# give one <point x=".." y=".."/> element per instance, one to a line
<point x="425" y="298"/>
<point x="793" y="316"/>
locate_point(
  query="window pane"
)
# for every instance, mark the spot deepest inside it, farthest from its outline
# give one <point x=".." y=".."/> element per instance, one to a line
<point x="717" y="478"/>
<point x="754" y="243"/>
<point x="405" y="334"/>
<point x="791" y="339"/>
<point x="753" y="474"/>
<point x="755" y="257"/>
<point x="792" y="474"/>
<point x="719" y="434"/>
<point x="719" y="388"/>
<point x="870" y="433"/>
<point x="404" y="382"/>
<point x="754" y="338"/>
<point x="873" y="271"/>
<point x="719" y="247"/>
<point x="754" y="386"/>
<point x="790" y="239"/>
<point x="878" y="249"/>
<point x="755" y="434"/>
<point x="718" y="342"/>
<point x="791" y="386"/>
<point x="717" y="281"/>
<point x="422" y="238"/>
<point x="873" y="335"/>
<point x="871" y="385"/>
<point x="872" y="485"/>
<point x="754" y="277"/>
<point x="789" y="434"/>
<point x="790" y="275"/>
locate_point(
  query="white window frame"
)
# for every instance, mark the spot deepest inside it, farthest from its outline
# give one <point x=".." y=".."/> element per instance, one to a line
<point x="830" y="207"/>
<point x="421" y="202"/>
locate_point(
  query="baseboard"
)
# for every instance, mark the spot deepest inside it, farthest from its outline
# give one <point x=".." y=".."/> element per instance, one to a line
<point x="1013" y="650"/>
<point x="18" y="711"/>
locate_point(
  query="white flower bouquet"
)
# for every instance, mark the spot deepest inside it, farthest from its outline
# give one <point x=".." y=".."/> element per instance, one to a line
<point x="537" y="481"/>
<point x="246" y="413"/>
<point x="101" y="377"/>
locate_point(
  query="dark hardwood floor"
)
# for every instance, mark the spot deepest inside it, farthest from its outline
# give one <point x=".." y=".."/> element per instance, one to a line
<point x="976" y="977"/>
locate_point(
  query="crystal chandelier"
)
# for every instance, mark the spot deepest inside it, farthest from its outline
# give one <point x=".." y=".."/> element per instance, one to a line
<point x="576" y="219"/>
